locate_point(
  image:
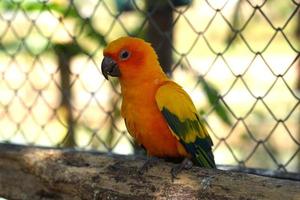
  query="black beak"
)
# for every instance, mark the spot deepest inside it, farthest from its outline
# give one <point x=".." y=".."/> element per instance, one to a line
<point x="109" y="67"/>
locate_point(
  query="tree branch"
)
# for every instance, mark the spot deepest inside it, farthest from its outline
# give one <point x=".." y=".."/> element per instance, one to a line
<point x="42" y="173"/>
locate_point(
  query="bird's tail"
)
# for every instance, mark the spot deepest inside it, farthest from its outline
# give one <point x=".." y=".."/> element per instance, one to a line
<point x="205" y="159"/>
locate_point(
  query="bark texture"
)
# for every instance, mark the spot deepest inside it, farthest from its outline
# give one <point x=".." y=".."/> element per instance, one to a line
<point x="41" y="173"/>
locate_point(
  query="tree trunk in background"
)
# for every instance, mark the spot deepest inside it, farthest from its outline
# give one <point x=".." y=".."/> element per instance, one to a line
<point x="64" y="59"/>
<point x="160" y="31"/>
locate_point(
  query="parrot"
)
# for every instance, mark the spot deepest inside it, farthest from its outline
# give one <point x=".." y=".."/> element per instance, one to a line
<point x="158" y="113"/>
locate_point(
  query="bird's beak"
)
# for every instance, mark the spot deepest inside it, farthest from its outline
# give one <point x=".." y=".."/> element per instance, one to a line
<point x="109" y="67"/>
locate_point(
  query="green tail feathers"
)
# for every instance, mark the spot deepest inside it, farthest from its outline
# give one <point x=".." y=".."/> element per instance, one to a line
<point x="204" y="159"/>
<point x="201" y="152"/>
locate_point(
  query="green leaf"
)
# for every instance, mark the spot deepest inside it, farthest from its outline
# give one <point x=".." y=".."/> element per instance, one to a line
<point x="33" y="6"/>
<point x="213" y="98"/>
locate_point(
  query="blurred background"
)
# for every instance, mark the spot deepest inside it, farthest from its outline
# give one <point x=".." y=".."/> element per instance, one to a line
<point x="238" y="60"/>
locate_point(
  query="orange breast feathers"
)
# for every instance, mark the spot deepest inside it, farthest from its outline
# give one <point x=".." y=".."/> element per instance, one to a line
<point x="147" y="125"/>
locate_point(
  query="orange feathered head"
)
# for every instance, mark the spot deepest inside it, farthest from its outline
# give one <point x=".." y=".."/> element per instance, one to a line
<point x="129" y="57"/>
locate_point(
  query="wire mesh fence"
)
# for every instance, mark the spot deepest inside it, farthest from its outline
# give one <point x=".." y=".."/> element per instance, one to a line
<point x="238" y="59"/>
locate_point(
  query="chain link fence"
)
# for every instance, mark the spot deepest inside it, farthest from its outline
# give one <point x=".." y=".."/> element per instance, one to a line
<point x="238" y="59"/>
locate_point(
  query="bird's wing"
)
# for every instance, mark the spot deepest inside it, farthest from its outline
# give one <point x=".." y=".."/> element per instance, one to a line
<point x="180" y="113"/>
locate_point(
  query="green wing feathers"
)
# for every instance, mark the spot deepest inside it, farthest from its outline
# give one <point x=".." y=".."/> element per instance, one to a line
<point x="181" y="116"/>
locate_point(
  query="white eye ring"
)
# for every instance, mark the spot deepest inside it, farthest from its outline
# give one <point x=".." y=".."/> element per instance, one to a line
<point x="124" y="55"/>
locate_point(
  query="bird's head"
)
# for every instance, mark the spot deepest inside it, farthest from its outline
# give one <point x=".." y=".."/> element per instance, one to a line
<point x="129" y="58"/>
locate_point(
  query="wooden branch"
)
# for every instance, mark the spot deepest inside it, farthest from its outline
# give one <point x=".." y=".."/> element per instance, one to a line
<point x="41" y="173"/>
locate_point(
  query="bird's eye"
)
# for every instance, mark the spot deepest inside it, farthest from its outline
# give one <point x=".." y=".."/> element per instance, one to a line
<point x="124" y="55"/>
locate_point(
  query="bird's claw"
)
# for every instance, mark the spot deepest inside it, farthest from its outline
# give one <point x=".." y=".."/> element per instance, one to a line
<point x="174" y="172"/>
<point x="147" y="165"/>
<point x="185" y="164"/>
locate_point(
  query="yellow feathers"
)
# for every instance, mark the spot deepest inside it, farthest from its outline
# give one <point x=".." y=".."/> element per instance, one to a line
<point x="173" y="100"/>
<point x="176" y="99"/>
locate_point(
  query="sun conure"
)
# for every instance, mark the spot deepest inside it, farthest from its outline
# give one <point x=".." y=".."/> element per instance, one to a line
<point x="158" y="113"/>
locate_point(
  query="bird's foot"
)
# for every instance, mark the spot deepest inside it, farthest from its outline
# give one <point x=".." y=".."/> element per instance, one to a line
<point x="185" y="164"/>
<point x="150" y="162"/>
